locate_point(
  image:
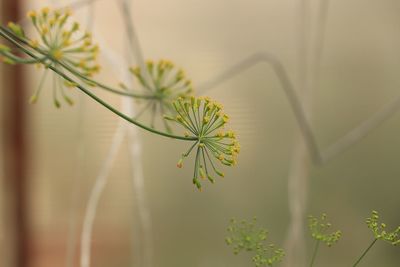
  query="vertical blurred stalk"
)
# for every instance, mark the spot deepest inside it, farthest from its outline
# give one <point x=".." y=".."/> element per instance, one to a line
<point x="308" y="71"/>
<point x="134" y="52"/>
<point x="14" y="151"/>
<point x="300" y="166"/>
<point x="75" y="197"/>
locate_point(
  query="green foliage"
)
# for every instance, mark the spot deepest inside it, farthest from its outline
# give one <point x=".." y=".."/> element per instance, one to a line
<point x="246" y="236"/>
<point x="380" y="232"/>
<point x="318" y="228"/>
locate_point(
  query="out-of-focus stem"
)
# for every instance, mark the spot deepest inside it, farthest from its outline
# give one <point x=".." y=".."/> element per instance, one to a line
<point x="4" y="32"/>
<point x="314" y="256"/>
<point x="95" y="194"/>
<point x="287" y="86"/>
<point x="75" y="196"/>
<point x="135" y="148"/>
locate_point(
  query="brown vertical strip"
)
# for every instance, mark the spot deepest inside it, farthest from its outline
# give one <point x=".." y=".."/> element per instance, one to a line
<point x="15" y="180"/>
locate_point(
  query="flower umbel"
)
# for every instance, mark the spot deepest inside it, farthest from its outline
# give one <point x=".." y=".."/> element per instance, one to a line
<point x="380" y="232"/>
<point x="318" y="228"/>
<point x="164" y="83"/>
<point x="62" y="43"/>
<point x="204" y="119"/>
<point x="246" y="236"/>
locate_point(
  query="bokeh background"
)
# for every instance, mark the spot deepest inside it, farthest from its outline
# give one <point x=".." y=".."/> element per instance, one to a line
<point x="358" y="75"/>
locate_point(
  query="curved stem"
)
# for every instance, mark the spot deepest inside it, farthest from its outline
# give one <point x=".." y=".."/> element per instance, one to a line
<point x="22" y="60"/>
<point x="288" y="88"/>
<point x="365" y="252"/>
<point x="5" y="33"/>
<point x="315" y="253"/>
<point x="75" y="195"/>
<point x="145" y="234"/>
<point x="95" y="195"/>
<point x="72" y="71"/>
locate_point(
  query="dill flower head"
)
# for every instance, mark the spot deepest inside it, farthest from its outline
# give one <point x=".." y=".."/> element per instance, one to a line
<point x="318" y="228"/>
<point x="380" y="231"/>
<point x="163" y="82"/>
<point x="62" y="42"/>
<point x="204" y="119"/>
<point x="246" y="236"/>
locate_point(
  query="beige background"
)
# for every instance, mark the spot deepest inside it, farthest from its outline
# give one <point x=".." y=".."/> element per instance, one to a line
<point x="359" y="74"/>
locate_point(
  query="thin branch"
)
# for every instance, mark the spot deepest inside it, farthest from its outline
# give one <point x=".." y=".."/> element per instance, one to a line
<point x="365" y="252"/>
<point x="135" y="148"/>
<point x="362" y="130"/>
<point x="319" y="157"/>
<point x="132" y="37"/>
<point x="102" y="178"/>
<point x="13" y="39"/>
<point x="299" y="172"/>
<point x="80" y="156"/>
<point x="95" y="194"/>
<point x="287" y="86"/>
<point x="323" y="11"/>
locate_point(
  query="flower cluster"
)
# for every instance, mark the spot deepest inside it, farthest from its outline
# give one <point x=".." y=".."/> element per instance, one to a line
<point x="246" y="236"/>
<point x="380" y="232"/>
<point x="318" y="227"/>
<point x="267" y="256"/>
<point x="62" y="44"/>
<point x="5" y="51"/>
<point x="164" y="83"/>
<point x="204" y="119"/>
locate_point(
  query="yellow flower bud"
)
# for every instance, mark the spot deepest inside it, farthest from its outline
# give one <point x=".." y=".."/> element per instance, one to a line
<point x="45" y="11"/>
<point x="31" y="14"/>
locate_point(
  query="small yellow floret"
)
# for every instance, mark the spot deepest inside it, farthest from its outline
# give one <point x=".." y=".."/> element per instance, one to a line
<point x="75" y="27"/>
<point x="31" y="14"/>
<point x="34" y="43"/>
<point x="45" y="30"/>
<point x="57" y="54"/>
<point x="45" y="11"/>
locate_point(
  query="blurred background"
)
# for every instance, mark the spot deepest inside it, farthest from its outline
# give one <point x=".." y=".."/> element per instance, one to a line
<point x="50" y="158"/>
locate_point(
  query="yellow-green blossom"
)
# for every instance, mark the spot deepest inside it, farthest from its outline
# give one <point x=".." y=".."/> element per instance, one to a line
<point x="62" y="42"/>
<point x="164" y="83"/>
<point x="380" y="231"/>
<point x="245" y="236"/>
<point x="205" y="120"/>
<point x="318" y="228"/>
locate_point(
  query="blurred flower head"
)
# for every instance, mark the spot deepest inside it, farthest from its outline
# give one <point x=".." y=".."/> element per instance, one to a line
<point x="163" y="82"/>
<point x="318" y="228"/>
<point x="246" y="236"/>
<point x="59" y="42"/>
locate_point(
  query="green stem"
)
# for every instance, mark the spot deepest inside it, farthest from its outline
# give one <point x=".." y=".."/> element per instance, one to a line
<point x="93" y="96"/>
<point x="4" y="32"/>
<point x="315" y="253"/>
<point x="365" y="252"/>
<point x="22" y="60"/>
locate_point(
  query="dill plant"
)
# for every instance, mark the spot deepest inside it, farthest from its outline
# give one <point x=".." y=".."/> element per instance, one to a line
<point x="318" y="228"/>
<point x="245" y="236"/>
<point x="380" y="233"/>
<point x="72" y="55"/>
<point x="166" y="83"/>
<point x="72" y="58"/>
